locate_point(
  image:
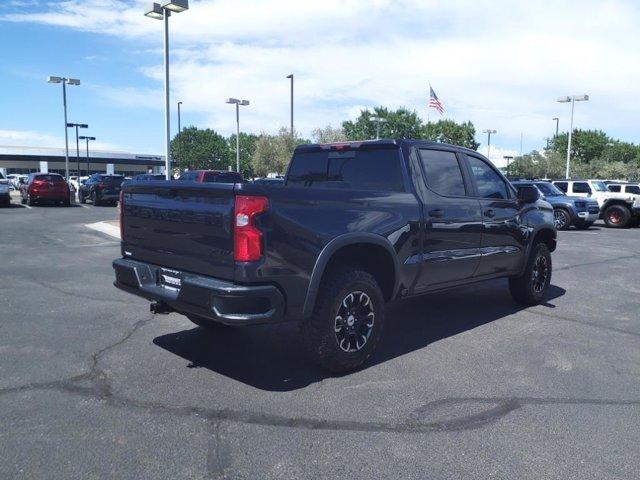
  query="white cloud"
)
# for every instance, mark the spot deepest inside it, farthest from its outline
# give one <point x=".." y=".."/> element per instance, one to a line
<point x="499" y="64"/>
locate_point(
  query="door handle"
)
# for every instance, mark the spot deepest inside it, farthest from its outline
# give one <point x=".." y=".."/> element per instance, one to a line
<point x="436" y="213"/>
<point x="490" y="213"/>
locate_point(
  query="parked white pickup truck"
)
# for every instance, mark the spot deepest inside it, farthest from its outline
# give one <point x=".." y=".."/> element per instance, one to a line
<point x="617" y="209"/>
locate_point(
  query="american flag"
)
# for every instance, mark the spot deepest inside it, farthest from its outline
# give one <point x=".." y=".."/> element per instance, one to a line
<point x="434" y="102"/>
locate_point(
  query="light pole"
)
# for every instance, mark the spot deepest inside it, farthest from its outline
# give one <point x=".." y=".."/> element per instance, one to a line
<point x="64" y="81"/>
<point x="77" y="126"/>
<point x="237" y="103"/>
<point x="378" y="120"/>
<point x="291" y="77"/>
<point x="573" y="99"/>
<point x="179" y="128"/>
<point x="82" y="137"/>
<point x="178" y="139"/>
<point x="163" y="12"/>
<point x="557" y="124"/>
<point x="508" y="158"/>
<point x="489" y="132"/>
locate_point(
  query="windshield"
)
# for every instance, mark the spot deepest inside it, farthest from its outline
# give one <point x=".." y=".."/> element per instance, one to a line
<point x="49" y="178"/>
<point x="599" y="186"/>
<point x="112" y="179"/>
<point x="549" y="189"/>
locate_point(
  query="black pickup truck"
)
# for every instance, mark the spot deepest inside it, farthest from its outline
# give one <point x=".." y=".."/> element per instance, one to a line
<point x="355" y="225"/>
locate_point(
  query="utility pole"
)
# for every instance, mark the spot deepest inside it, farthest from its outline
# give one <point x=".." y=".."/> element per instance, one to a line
<point x="291" y="77"/>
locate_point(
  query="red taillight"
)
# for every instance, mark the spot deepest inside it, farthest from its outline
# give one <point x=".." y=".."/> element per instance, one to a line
<point x="247" y="238"/>
<point x="121" y="208"/>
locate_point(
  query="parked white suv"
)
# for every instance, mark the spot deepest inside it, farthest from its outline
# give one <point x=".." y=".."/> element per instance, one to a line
<point x="617" y="209"/>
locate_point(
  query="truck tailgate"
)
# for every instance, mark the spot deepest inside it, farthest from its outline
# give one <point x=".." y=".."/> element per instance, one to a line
<point x="180" y="225"/>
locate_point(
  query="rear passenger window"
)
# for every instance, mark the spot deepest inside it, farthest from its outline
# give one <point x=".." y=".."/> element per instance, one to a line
<point x="488" y="182"/>
<point x="581" y="187"/>
<point x="614" y="188"/>
<point x="562" y="186"/>
<point x="443" y="172"/>
<point x="355" y="169"/>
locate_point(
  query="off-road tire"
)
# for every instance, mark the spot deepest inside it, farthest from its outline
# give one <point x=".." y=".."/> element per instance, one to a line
<point x="617" y="216"/>
<point x="525" y="288"/>
<point x="319" y="335"/>
<point x="566" y="221"/>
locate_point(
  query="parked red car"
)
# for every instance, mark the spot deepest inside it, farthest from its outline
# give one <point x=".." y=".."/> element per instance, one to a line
<point x="49" y="187"/>
<point x="212" y="176"/>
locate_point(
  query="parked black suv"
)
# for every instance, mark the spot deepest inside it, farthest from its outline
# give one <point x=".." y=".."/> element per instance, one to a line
<point x="101" y="188"/>
<point x="356" y="225"/>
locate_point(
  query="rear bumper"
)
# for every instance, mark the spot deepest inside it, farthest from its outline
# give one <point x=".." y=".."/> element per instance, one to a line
<point x="218" y="300"/>
<point x="108" y="197"/>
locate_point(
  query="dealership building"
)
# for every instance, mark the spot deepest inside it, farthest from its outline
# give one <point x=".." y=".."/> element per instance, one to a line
<point x="51" y="160"/>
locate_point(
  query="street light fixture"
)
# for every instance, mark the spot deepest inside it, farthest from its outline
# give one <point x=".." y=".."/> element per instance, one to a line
<point x="163" y="12"/>
<point x="489" y="132"/>
<point x="557" y="124"/>
<point x="77" y="126"/>
<point x="573" y="99"/>
<point x="291" y="77"/>
<point x="64" y="81"/>
<point x="82" y="137"/>
<point x="237" y="103"/>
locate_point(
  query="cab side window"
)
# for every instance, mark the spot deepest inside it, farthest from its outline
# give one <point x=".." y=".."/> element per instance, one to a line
<point x="562" y="186"/>
<point x="581" y="187"/>
<point x="614" y="188"/>
<point x="488" y="182"/>
<point x="443" y="172"/>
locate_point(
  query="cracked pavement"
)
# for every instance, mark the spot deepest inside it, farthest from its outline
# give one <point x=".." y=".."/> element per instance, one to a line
<point x="466" y="384"/>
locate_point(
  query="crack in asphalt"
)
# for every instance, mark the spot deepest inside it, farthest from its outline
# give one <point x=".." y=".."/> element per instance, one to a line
<point x="583" y="322"/>
<point x="498" y="406"/>
<point x="78" y="295"/>
<point x="598" y="262"/>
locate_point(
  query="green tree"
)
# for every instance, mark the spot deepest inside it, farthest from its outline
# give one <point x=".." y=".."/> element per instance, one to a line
<point x="328" y="134"/>
<point x="448" y="131"/>
<point x="247" y="148"/>
<point x="586" y="145"/>
<point x="401" y="123"/>
<point x="206" y="149"/>
<point x="273" y="152"/>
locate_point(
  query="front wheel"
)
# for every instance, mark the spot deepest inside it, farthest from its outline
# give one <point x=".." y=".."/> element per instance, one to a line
<point x="347" y="321"/>
<point x="531" y="287"/>
<point x="561" y="219"/>
<point x="94" y="198"/>
<point x="617" y="216"/>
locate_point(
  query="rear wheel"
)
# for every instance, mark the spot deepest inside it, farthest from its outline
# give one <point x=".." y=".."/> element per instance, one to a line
<point x="94" y="198"/>
<point x="617" y="216"/>
<point x="347" y="321"/>
<point x="531" y="287"/>
<point x="561" y="219"/>
<point x="81" y="197"/>
<point x="30" y="201"/>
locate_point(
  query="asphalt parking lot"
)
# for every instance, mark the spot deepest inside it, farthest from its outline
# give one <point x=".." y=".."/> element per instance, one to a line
<point x="465" y="385"/>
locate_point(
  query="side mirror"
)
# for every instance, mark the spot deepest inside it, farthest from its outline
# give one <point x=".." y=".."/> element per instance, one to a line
<point x="528" y="194"/>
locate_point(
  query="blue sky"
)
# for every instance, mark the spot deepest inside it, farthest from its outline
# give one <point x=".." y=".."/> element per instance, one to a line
<point x="499" y="64"/>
